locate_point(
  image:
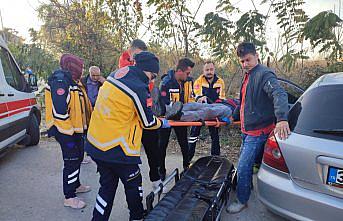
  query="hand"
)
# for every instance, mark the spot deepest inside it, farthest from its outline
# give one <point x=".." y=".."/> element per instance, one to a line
<point x="165" y="124"/>
<point x="226" y="120"/>
<point x="202" y="99"/>
<point x="282" y="130"/>
<point x="102" y="79"/>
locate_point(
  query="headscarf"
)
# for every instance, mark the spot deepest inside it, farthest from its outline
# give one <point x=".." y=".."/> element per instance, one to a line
<point x="73" y="64"/>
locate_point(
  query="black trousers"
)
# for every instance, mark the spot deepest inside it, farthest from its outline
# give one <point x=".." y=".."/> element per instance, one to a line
<point x="72" y="152"/>
<point x="181" y="135"/>
<point x="130" y="176"/>
<point x="150" y="143"/>
<point x="194" y="137"/>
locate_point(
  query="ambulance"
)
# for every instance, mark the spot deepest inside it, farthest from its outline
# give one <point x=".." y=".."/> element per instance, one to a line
<point x="20" y="114"/>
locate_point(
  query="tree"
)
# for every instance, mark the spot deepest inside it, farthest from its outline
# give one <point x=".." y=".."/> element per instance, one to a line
<point x="320" y="30"/>
<point x="96" y="30"/>
<point x="31" y="55"/>
<point x="291" y="19"/>
<point x="174" y="23"/>
<point x="218" y="30"/>
<point x="251" y="27"/>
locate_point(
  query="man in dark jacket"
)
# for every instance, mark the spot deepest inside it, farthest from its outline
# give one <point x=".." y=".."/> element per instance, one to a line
<point x="263" y="108"/>
<point x="176" y="86"/>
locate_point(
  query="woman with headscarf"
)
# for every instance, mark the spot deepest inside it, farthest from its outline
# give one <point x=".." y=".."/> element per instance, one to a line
<point x="68" y="111"/>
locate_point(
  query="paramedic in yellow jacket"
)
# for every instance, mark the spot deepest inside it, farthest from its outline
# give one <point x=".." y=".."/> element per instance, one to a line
<point x="114" y="136"/>
<point x="68" y="111"/>
<point x="208" y="88"/>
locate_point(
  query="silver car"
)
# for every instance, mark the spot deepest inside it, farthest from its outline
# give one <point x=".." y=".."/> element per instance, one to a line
<point x="301" y="178"/>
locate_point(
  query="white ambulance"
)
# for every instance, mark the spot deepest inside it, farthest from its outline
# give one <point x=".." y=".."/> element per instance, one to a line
<point x="20" y="115"/>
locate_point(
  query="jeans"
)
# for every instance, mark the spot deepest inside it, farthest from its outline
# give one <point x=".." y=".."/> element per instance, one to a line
<point x="251" y="148"/>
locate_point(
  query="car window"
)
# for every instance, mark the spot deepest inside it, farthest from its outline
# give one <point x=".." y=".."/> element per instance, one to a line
<point x="293" y="91"/>
<point x="319" y="109"/>
<point x="12" y="74"/>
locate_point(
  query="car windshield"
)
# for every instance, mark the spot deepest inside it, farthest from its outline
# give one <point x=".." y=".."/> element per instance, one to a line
<point x="319" y="113"/>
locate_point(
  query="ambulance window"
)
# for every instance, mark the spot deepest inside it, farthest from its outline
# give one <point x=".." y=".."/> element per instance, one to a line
<point x="12" y="74"/>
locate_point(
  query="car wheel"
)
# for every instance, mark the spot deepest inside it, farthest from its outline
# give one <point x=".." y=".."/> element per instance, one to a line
<point x="33" y="131"/>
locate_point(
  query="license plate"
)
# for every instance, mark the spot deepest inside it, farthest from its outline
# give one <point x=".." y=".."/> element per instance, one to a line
<point x="335" y="177"/>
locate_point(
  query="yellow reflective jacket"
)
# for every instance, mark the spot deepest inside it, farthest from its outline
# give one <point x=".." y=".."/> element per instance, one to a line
<point x="214" y="91"/>
<point x="67" y="106"/>
<point x="172" y="91"/>
<point x="120" y="114"/>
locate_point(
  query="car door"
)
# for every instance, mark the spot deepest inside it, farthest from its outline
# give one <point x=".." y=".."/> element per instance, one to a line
<point x="17" y="99"/>
<point x="293" y="90"/>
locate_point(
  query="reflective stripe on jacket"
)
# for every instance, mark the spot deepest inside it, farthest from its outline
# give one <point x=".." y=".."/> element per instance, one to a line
<point x="120" y="114"/>
<point x="68" y="108"/>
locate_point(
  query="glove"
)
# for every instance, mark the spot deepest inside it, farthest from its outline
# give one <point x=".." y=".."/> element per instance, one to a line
<point x="226" y="120"/>
<point x="165" y="123"/>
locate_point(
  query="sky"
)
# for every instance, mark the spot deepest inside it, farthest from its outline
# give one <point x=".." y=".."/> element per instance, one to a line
<point x="21" y="14"/>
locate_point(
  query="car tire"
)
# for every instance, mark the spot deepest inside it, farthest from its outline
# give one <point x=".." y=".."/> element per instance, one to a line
<point x="33" y="131"/>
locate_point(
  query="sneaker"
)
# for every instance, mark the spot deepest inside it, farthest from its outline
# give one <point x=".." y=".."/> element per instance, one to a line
<point x="236" y="207"/>
<point x="83" y="189"/>
<point x="256" y="168"/>
<point x="175" y="112"/>
<point x="158" y="107"/>
<point x="74" y="203"/>
<point x="86" y="160"/>
<point x="156" y="184"/>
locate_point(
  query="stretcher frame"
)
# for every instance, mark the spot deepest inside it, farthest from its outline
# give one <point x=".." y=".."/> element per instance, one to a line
<point x="217" y="204"/>
<point x="212" y="123"/>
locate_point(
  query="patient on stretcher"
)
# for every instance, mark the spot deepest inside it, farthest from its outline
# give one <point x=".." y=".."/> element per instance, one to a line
<point x="191" y="112"/>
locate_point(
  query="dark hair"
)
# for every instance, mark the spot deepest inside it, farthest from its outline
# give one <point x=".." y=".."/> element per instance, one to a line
<point x="208" y="62"/>
<point x="137" y="43"/>
<point x="245" y="48"/>
<point x="184" y="63"/>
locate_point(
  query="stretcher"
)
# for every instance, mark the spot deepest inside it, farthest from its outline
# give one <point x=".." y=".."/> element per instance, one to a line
<point x="201" y="193"/>
<point x="215" y="123"/>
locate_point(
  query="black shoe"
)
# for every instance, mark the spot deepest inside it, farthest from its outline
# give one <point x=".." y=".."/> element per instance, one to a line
<point x="158" y="107"/>
<point x="162" y="173"/>
<point x="175" y="112"/>
<point x="163" y="176"/>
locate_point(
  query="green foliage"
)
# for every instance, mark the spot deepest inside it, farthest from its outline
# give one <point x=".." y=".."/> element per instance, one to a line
<point x="97" y="31"/>
<point x="291" y="19"/>
<point x="217" y="32"/>
<point x="174" y="25"/>
<point x="33" y="55"/>
<point x="320" y="30"/>
<point x="335" y="67"/>
<point x="250" y="27"/>
<point x="41" y="62"/>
